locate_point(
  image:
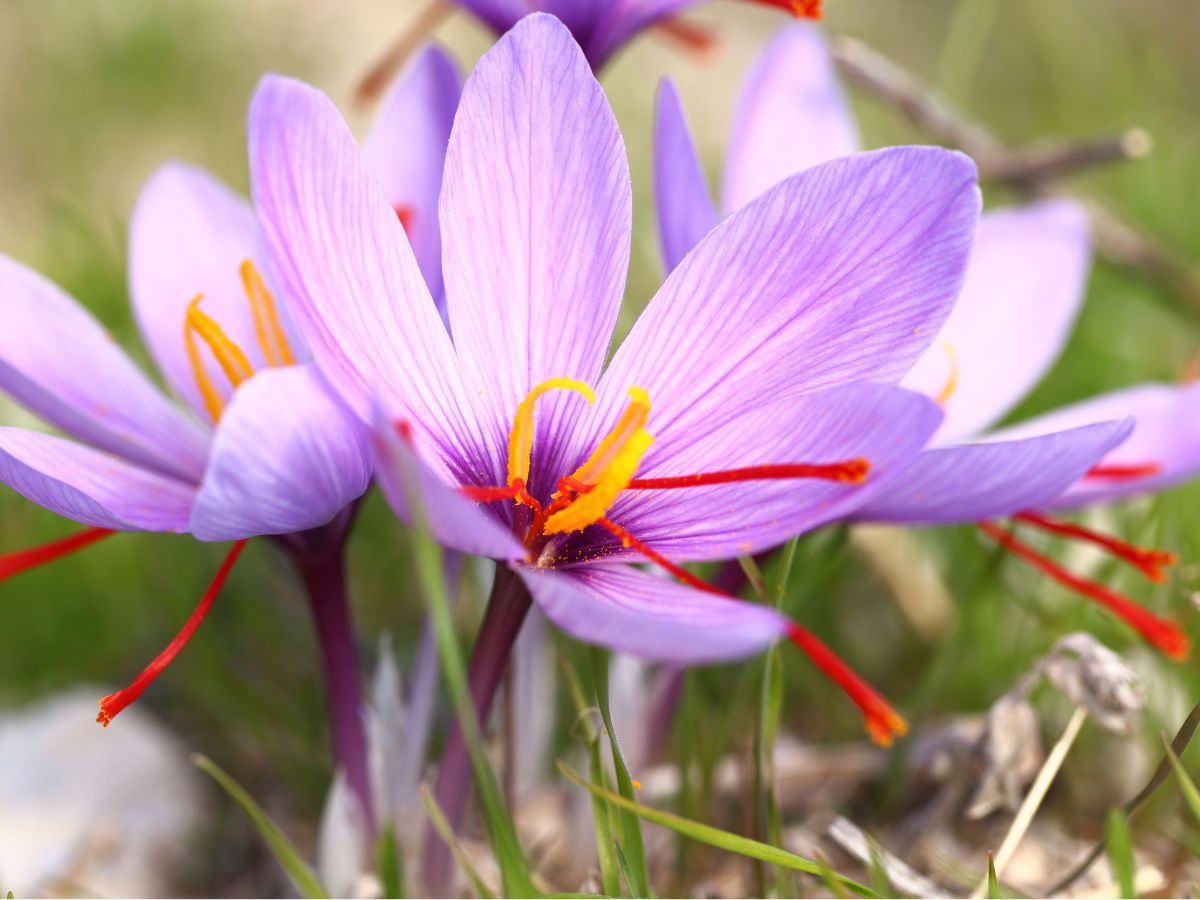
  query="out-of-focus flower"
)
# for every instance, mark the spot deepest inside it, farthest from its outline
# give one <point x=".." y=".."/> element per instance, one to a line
<point x="744" y="407"/>
<point x="1024" y="285"/>
<point x="602" y="27"/>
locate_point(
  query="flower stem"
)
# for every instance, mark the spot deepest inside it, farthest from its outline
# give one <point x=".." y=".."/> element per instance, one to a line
<point x="319" y="558"/>
<point x="506" y="610"/>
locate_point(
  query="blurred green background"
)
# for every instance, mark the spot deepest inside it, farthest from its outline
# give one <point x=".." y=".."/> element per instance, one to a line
<point x="93" y="96"/>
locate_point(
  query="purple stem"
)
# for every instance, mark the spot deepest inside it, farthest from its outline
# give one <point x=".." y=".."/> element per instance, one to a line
<point x="506" y="610"/>
<point x="319" y="558"/>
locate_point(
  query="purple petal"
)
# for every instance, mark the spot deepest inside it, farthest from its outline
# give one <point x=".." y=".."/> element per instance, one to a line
<point x="1024" y="287"/>
<point x="59" y="362"/>
<point x="792" y="115"/>
<point x="340" y="252"/>
<point x="885" y="425"/>
<point x="536" y="222"/>
<point x="499" y="15"/>
<point x="287" y="456"/>
<point x="89" y="486"/>
<point x="841" y="274"/>
<point x="617" y="606"/>
<point x="685" y="209"/>
<point x="453" y="520"/>
<point x="189" y="235"/>
<point x="983" y="481"/>
<point x="407" y="148"/>
<point x="624" y="19"/>
<point x="1166" y="434"/>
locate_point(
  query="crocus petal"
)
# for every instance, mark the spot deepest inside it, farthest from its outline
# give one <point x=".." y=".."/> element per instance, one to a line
<point x="407" y="148"/>
<point x="622" y="21"/>
<point x="89" y="486"/>
<point x="536" y="223"/>
<point x="983" y="481"/>
<point x="886" y="426"/>
<point x="339" y="251"/>
<point x="842" y="274"/>
<point x="406" y="474"/>
<point x="617" y="606"/>
<point x="1166" y="438"/>
<point x="59" y="362"/>
<point x="287" y="456"/>
<point x="685" y="209"/>
<point x="1024" y="287"/>
<point x="500" y="15"/>
<point x="792" y="115"/>
<point x="189" y="235"/>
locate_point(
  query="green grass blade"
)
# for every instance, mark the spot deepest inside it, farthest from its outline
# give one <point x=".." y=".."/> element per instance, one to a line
<point x="1190" y="794"/>
<point x="993" y="887"/>
<point x="438" y="820"/>
<point x="830" y="877"/>
<point x="875" y="868"/>
<point x="770" y="710"/>
<point x="514" y="869"/>
<point x="284" y="851"/>
<point x="1120" y="852"/>
<point x="754" y="575"/>
<point x="715" y="837"/>
<point x="610" y="874"/>
<point x="389" y="863"/>
<point x="630" y="826"/>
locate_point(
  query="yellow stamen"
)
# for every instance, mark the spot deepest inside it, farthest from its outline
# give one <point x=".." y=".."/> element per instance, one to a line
<point x="229" y="356"/>
<point x="952" y="381"/>
<point x="609" y="469"/>
<point x="270" y="333"/>
<point x="520" y="440"/>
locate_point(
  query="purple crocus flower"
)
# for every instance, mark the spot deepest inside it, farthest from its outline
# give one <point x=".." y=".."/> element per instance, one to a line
<point x="259" y="445"/>
<point x="1024" y="285"/>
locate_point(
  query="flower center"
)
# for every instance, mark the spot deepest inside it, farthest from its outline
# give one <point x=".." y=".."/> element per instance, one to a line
<point x="232" y="360"/>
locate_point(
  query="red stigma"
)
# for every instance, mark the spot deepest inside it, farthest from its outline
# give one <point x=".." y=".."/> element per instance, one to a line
<point x="1126" y="472"/>
<point x="1146" y="560"/>
<point x="1164" y="634"/>
<point x="853" y="471"/>
<point x="695" y="39"/>
<point x="23" y="560"/>
<point x="112" y="705"/>
<point x="801" y="9"/>
<point x="883" y="723"/>
<point x="628" y="541"/>
<point x="405" y="214"/>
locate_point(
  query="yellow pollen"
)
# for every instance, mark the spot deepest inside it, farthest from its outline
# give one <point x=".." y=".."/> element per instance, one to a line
<point x="520" y="440"/>
<point x="267" y="329"/>
<point x="229" y="356"/>
<point x="609" y="469"/>
<point x="952" y="381"/>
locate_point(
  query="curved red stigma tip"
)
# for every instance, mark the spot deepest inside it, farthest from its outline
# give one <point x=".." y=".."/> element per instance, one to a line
<point x="882" y="722"/>
<point x="114" y="703"/>
<point x="12" y="564"/>
<point x="1167" y="636"/>
<point x="1147" y="560"/>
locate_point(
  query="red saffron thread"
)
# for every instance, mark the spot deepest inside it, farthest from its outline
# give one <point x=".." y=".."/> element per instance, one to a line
<point x="1146" y="560"/>
<point x="112" y="705"/>
<point x="23" y="560"/>
<point x="852" y="471"/>
<point x="1123" y="472"/>
<point x="1164" y="634"/>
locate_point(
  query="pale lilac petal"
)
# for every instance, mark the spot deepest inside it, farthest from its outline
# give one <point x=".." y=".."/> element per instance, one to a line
<point x="885" y="425"/>
<point x="974" y="482"/>
<point x="339" y="251"/>
<point x="841" y="274"/>
<point x="60" y="362"/>
<point x="1166" y="434"/>
<point x="792" y="115"/>
<point x="452" y="519"/>
<point x="684" y="206"/>
<point x="1024" y="287"/>
<point x="287" y="456"/>
<point x="535" y="218"/>
<point x="407" y="148"/>
<point x="619" y="607"/>
<point x="188" y="236"/>
<point x="89" y="486"/>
